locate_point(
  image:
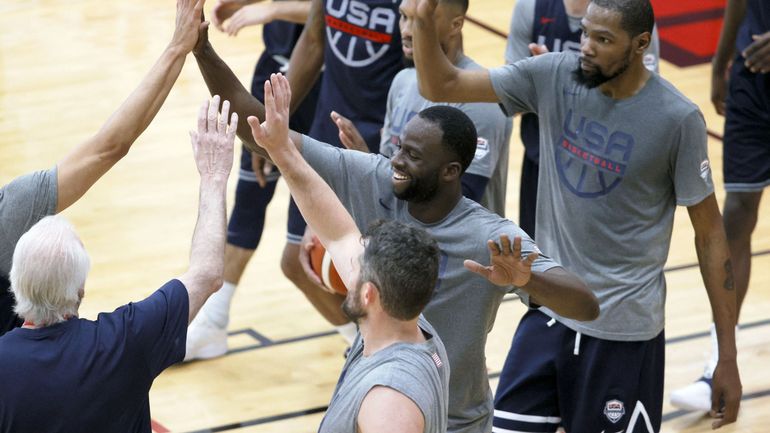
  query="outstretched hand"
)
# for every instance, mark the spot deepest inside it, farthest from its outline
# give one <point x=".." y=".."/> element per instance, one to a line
<point x="507" y="267"/>
<point x="189" y="23"/>
<point x="213" y="142"/>
<point x="349" y="135"/>
<point x="273" y="134"/>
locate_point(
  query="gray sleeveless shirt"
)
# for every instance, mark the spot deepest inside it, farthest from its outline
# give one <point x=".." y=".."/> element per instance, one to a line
<point x="418" y="371"/>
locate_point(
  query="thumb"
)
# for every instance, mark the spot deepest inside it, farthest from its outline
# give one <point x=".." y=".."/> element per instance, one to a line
<point x="476" y="268"/>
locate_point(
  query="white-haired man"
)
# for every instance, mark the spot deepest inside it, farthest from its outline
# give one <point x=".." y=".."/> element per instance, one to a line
<point x="62" y="373"/>
<point x="28" y="198"/>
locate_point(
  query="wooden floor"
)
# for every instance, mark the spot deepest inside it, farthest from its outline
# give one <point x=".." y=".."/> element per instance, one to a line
<point x="65" y="66"/>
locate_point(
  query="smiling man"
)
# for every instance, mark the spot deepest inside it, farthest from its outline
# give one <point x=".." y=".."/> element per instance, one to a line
<point x="620" y="148"/>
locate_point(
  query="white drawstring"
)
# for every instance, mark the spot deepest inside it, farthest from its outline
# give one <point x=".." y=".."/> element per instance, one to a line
<point x="551" y="322"/>
<point x="577" y="344"/>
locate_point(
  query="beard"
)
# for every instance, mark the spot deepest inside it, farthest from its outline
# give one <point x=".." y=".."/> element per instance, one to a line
<point x="419" y="190"/>
<point x="352" y="306"/>
<point x="596" y="79"/>
<point x="408" y="63"/>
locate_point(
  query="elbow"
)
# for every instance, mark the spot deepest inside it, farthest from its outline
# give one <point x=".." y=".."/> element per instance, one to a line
<point x="428" y="92"/>
<point x="591" y="310"/>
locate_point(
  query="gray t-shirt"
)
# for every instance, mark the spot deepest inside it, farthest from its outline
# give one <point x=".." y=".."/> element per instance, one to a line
<point x="24" y="202"/>
<point x="492" y="126"/>
<point x="522" y="25"/>
<point x="418" y="371"/>
<point x="464" y="305"/>
<point x="611" y="175"/>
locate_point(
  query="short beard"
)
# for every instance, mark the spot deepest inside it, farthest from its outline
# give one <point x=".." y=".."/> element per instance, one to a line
<point x="352" y="308"/>
<point x="598" y="78"/>
<point x="418" y="192"/>
<point x="408" y="63"/>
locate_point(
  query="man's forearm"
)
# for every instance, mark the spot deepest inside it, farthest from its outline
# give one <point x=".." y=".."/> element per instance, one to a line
<point x="734" y="14"/>
<point x="564" y="293"/>
<point x="221" y="81"/>
<point x="716" y="269"/>
<point x="307" y="58"/>
<point x="293" y="11"/>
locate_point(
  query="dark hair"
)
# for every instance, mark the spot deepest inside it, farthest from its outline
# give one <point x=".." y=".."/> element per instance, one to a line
<point x="402" y="261"/>
<point x="637" y="16"/>
<point x="458" y="132"/>
<point x="462" y="4"/>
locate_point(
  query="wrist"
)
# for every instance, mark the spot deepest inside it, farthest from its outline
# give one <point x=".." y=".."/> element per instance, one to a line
<point x="175" y="50"/>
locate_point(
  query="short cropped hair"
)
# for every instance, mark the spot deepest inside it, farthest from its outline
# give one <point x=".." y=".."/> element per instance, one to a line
<point x="637" y="16"/>
<point x="49" y="268"/>
<point x="461" y="4"/>
<point x="458" y="132"/>
<point x="402" y="261"/>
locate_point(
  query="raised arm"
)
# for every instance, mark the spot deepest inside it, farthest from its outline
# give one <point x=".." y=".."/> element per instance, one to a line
<point x="319" y="205"/>
<point x="295" y="11"/>
<point x="716" y="269"/>
<point x="558" y="289"/>
<point x="308" y="56"/>
<point x="439" y="80"/>
<point x="213" y="152"/>
<point x="90" y="160"/>
<point x="734" y="13"/>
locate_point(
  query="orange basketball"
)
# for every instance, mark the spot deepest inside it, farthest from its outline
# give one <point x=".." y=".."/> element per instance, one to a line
<point x="323" y="267"/>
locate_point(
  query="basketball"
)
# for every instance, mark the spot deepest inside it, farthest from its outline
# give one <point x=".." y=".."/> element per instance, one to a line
<point x="323" y="267"/>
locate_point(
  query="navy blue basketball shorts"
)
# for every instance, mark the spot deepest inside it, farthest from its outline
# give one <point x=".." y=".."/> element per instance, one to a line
<point x="746" y="147"/>
<point x="247" y="221"/>
<point x="554" y="376"/>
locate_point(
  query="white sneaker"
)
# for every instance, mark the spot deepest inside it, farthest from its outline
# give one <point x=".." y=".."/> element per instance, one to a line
<point x="694" y="397"/>
<point x="205" y="340"/>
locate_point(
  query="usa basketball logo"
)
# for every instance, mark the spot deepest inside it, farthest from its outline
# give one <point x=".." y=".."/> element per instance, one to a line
<point x="357" y="33"/>
<point x="590" y="158"/>
<point x="614" y="410"/>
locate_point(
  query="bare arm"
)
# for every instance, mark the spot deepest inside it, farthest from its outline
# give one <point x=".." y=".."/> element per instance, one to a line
<point x="319" y="205"/>
<point x="557" y="289"/>
<point x="308" y="55"/>
<point x="734" y="13"/>
<point x="439" y="80"/>
<point x="716" y="269"/>
<point x="263" y="13"/>
<point x="386" y="410"/>
<point x="89" y="161"/>
<point x="213" y="152"/>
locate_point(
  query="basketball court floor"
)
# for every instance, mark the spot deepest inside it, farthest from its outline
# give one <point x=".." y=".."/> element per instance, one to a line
<point x="64" y="68"/>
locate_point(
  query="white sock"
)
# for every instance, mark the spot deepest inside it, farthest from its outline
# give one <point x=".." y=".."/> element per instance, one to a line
<point x="348" y="331"/>
<point x="217" y="307"/>
<point x="711" y="364"/>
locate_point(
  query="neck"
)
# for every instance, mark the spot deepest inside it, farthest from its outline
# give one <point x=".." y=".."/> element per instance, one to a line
<point x="29" y="324"/>
<point x="381" y="332"/>
<point x="454" y="49"/>
<point x="438" y="207"/>
<point x="627" y="84"/>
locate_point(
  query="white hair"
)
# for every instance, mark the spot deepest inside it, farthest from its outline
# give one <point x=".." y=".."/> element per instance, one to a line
<point x="49" y="269"/>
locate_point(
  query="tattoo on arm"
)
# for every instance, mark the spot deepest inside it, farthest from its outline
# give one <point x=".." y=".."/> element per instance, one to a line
<point x="728" y="285"/>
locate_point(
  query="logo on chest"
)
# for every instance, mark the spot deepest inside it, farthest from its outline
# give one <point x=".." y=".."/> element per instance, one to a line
<point x="591" y="158"/>
<point x="357" y="33"/>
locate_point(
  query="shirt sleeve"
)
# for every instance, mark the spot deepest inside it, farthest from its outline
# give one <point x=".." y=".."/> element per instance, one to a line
<point x="691" y="166"/>
<point x="514" y="84"/>
<point x="24" y="202"/>
<point x="158" y="325"/>
<point x="520" y="34"/>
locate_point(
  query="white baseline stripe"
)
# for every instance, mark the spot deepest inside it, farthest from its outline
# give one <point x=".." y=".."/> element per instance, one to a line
<point x="502" y="430"/>
<point x="527" y="418"/>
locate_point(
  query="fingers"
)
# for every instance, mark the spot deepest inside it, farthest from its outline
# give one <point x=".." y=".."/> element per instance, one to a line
<point x="256" y="129"/>
<point x="757" y="54"/>
<point x="231" y="131"/>
<point x="202" y="117"/>
<point x="211" y="120"/>
<point x="269" y="100"/>
<point x="222" y="123"/>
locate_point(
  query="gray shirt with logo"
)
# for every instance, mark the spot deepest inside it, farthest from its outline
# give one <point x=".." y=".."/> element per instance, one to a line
<point x="611" y="175"/>
<point x="464" y="305"/>
<point x="24" y="202"/>
<point x="492" y="126"/>
<point x="418" y="371"/>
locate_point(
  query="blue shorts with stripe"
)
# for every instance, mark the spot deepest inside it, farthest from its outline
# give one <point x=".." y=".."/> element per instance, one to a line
<point x="554" y="376"/>
<point x="746" y="148"/>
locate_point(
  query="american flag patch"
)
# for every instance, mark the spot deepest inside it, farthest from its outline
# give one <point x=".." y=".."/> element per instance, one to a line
<point x="437" y="360"/>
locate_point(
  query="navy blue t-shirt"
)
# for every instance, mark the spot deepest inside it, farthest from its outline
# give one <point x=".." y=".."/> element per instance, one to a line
<point x="92" y="376"/>
<point x="362" y="54"/>
<point x="756" y="22"/>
